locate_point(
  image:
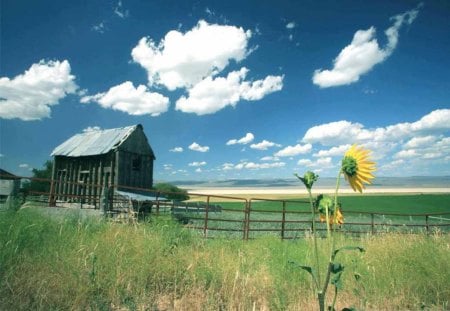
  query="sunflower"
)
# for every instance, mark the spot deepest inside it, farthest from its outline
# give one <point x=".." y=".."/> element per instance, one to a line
<point x="335" y="216"/>
<point x="357" y="167"/>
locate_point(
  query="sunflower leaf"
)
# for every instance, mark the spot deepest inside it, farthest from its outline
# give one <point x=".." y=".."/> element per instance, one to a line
<point x="348" y="248"/>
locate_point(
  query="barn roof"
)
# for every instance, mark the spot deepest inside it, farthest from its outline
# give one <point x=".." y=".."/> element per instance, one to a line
<point x="94" y="142"/>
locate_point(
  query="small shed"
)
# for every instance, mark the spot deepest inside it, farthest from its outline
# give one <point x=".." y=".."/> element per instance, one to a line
<point x="121" y="158"/>
<point x="9" y="186"/>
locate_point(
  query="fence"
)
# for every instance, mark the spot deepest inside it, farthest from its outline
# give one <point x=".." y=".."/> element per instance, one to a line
<point x="215" y="216"/>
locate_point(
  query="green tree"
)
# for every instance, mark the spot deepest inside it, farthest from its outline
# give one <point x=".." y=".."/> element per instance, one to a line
<point x="42" y="181"/>
<point x="173" y="192"/>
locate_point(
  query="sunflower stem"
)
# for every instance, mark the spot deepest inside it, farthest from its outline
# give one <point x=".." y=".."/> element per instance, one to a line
<point x="313" y="212"/>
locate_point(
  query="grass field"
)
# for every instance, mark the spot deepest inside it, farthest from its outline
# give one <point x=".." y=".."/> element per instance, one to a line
<point x="391" y="213"/>
<point x="404" y="204"/>
<point x="75" y="263"/>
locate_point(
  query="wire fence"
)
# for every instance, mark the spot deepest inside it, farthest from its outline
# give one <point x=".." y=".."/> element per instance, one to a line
<point x="214" y="215"/>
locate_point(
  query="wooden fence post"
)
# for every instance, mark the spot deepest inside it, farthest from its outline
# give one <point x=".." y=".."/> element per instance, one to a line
<point x="247" y="218"/>
<point x="205" y="229"/>
<point x="427" y="224"/>
<point x="283" y="220"/>
<point x="372" y="223"/>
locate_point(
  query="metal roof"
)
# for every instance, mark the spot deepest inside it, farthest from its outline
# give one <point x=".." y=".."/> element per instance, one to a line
<point x="93" y="142"/>
<point x="139" y="197"/>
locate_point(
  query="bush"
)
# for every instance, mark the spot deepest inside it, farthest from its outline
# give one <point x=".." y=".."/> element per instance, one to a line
<point x="173" y="192"/>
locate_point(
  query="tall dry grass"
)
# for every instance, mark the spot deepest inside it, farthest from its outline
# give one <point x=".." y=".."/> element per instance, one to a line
<point x="75" y="264"/>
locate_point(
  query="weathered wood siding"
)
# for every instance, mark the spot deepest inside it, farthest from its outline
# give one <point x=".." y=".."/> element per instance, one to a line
<point x="129" y="165"/>
<point x="135" y="161"/>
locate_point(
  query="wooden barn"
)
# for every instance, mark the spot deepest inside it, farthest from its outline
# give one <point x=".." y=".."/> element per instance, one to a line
<point x="9" y="187"/>
<point x="90" y="161"/>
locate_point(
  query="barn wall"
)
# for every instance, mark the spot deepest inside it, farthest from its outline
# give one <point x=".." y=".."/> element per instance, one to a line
<point x="135" y="169"/>
<point x="131" y="165"/>
<point x="74" y="176"/>
<point x="135" y="161"/>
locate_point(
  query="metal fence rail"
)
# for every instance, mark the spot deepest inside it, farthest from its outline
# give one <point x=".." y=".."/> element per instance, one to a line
<point x="215" y="215"/>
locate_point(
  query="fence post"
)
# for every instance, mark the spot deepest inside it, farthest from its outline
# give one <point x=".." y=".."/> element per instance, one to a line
<point x="205" y="229"/>
<point x="426" y="224"/>
<point x="105" y="201"/>
<point x="157" y="203"/>
<point x="283" y="219"/>
<point x="247" y="222"/>
<point x="372" y="223"/>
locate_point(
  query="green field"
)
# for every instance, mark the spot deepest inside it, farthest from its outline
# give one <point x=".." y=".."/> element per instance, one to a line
<point x="74" y="263"/>
<point x="363" y="214"/>
<point x="404" y="204"/>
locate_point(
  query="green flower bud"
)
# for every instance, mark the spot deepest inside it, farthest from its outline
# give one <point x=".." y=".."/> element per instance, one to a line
<point x="349" y="166"/>
<point x="308" y="179"/>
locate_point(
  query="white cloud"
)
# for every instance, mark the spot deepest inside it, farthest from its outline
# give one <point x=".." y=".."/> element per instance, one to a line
<point x="362" y="54"/>
<point x="291" y="151"/>
<point x="100" y="27"/>
<point x="291" y="25"/>
<point x="345" y="132"/>
<point x="198" y="170"/>
<point x="248" y="138"/>
<point x="334" y="151"/>
<point x="168" y="167"/>
<point x="177" y="149"/>
<point x="184" y="59"/>
<point x="270" y="158"/>
<point x="227" y="166"/>
<point x="213" y="94"/>
<point x="321" y="163"/>
<point x="264" y="145"/>
<point x="196" y="164"/>
<point x="196" y="147"/>
<point x="419" y="142"/>
<point x="1" y="155"/>
<point x="24" y="165"/>
<point x="30" y="95"/>
<point x="120" y="11"/>
<point x="91" y="129"/>
<point x="251" y="166"/>
<point x="134" y="101"/>
<point x="410" y="153"/>
<point x="333" y="133"/>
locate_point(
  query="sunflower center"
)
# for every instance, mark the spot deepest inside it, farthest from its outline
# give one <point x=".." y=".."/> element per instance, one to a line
<point x="349" y="166"/>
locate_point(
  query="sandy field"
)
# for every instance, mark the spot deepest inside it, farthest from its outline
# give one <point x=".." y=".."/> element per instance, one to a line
<point x="295" y="192"/>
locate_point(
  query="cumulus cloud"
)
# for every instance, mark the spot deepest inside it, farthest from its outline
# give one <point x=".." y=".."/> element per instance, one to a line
<point x="184" y="59"/>
<point x="29" y="96"/>
<point x="362" y="54"/>
<point x="420" y="142"/>
<point x="134" y="101"/>
<point x="196" y="147"/>
<point x="177" y="149"/>
<point x="213" y="94"/>
<point x="291" y="151"/>
<point x="270" y="158"/>
<point x="332" y="152"/>
<point x="323" y="163"/>
<point x="24" y="165"/>
<point x="196" y="164"/>
<point x="252" y="165"/>
<point x="100" y="27"/>
<point x="291" y="25"/>
<point x="248" y="138"/>
<point x="264" y="145"/>
<point x="346" y="132"/>
<point x="120" y="11"/>
<point x="91" y="129"/>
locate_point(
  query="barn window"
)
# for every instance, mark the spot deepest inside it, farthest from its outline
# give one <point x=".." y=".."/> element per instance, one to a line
<point x="137" y="162"/>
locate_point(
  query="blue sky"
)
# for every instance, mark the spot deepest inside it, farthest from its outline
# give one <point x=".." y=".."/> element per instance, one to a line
<point x="231" y="89"/>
